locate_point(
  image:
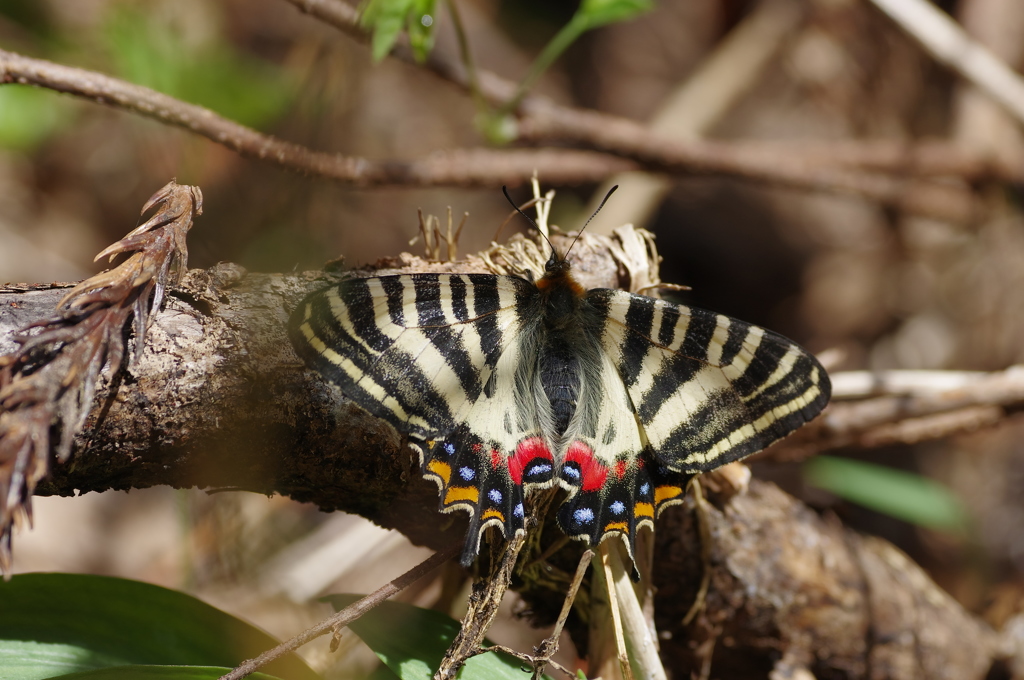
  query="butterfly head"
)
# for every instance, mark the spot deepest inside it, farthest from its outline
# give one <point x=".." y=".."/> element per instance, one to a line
<point x="557" y="269"/>
<point x="556" y="265"/>
<point x="558" y="275"/>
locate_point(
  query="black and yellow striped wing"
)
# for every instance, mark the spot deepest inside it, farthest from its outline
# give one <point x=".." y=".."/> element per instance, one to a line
<point x="707" y="389"/>
<point x="437" y="356"/>
<point x="503" y="384"/>
<point x="683" y="391"/>
<point x="414" y="350"/>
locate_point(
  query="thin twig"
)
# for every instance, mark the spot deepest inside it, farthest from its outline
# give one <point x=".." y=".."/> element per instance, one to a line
<point x="922" y="159"/>
<point x="860" y="384"/>
<point x="348" y="614"/>
<point x="487" y="593"/>
<point x="927" y="158"/>
<point x="613" y="607"/>
<point x="484" y="167"/>
<point x="544" y="121"/>
<point x="541" y="120"/>
<point x="950" y="45"/>
<point x="546" y="649"/>
<point x="632" y="140"/>
<point x="701" y="512"/>
<point x="913" y="406"/>
<point x="458" y="167"/>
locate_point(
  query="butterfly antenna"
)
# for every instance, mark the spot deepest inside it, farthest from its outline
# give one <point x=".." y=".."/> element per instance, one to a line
<point x="529" y="219"/>
<point x="590" y="219"/>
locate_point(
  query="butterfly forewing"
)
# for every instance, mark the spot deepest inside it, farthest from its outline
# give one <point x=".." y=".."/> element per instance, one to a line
<point x="707" y="389"/>
<point x="414" y="350"/>
<point x="437" y="355"/>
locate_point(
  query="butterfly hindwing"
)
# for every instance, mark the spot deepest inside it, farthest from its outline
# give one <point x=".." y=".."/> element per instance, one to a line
<point x="707" y="389"/>
<point x="610" y="491"/>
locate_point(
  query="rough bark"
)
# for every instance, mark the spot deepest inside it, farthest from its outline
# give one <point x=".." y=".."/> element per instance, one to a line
<point x="218" y="399"/>
<point x="793" y="593"/>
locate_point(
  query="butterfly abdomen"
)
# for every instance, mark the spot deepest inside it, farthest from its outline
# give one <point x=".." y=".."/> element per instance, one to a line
<point x="559" y="370"/>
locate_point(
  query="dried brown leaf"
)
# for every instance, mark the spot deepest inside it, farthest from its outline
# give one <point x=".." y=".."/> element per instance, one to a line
<point x="48" y="384"/>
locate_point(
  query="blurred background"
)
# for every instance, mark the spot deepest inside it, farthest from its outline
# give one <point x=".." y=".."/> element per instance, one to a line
<point x="885" y="289"/>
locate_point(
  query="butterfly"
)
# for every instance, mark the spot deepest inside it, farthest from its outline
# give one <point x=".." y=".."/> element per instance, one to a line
<point x="504" y="384"/>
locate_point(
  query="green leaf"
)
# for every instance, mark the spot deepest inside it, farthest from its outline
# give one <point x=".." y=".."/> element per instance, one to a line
<point x="212" y="74"/>
<point x="386" y="19"/>
<point x="53" y="624"/>
<point x="590" y="15"/>
<point x="600" y="12"/>
<point x="903" y="495"/>
<point x="411" y="641"/>
<point x="139" y="672"/>
<point x="29" y="115"/>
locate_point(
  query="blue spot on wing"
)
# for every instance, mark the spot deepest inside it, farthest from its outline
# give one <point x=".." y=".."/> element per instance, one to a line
<point x="583" y="516"/>
<point x="538" y="469"/>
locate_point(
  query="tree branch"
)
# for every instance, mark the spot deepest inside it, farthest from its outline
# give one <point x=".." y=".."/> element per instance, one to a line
<point x="839" y="167"/>
<point x="907" y="407"/>
<point x="459" y="167"/>
<point x="219" y="400"/>
<point x="797" y="593"/>
<point x="890" y="181"/>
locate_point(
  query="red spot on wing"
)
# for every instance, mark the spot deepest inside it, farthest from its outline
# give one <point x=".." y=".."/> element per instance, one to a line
<point x="620" y="468"/>
<point x="594" y="473"/>
<point x="527" y="450"/>
<point x="496" y="459"/>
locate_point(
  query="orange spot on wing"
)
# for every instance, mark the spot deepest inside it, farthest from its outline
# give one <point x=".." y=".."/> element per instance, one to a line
<point x="620" y="468"/>
<point x="666" y="493"/>
<point x="493" y="514"/>
<point x="643" y="510"/>
<point x="616" y="526"/>
<point x="458" y="494"/>
<point x="442" y="470"/>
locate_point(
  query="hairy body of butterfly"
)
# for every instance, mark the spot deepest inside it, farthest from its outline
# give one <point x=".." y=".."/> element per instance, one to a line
<point x="503" y="384"/>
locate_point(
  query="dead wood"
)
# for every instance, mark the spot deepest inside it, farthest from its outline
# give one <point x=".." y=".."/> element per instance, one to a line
<point x="219" y="400"/>
<point x="792" y="592"/>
